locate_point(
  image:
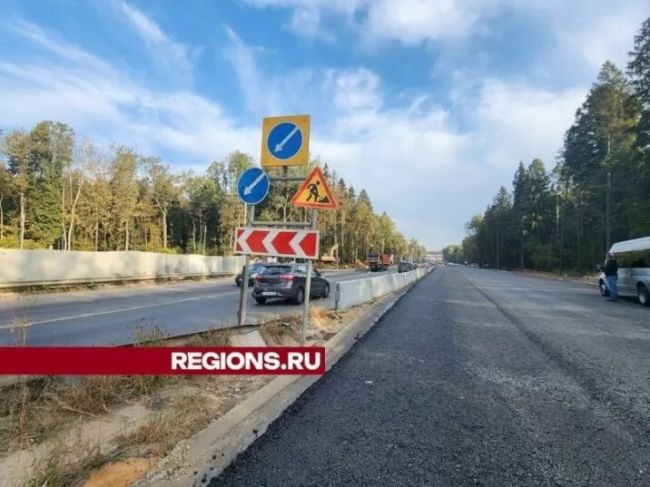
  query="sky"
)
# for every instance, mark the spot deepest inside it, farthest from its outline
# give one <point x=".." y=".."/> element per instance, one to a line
<point x="427" y="104"/>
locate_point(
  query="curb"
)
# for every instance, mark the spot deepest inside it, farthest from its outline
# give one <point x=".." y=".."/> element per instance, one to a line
<point x="205" y="455"/>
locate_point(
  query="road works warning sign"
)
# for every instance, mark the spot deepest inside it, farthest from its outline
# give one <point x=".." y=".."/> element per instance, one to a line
<point x="315" y="192"/>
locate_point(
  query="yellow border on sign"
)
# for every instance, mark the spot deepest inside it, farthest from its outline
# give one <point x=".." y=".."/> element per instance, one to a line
<point x="301" y="158"/>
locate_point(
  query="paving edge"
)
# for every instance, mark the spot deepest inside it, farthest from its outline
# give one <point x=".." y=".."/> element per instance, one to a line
<point x="206" y="454"/>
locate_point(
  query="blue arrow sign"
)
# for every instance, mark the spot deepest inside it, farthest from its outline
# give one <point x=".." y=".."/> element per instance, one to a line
<point x="253" y="186"/>
<point x="285" y="140"/>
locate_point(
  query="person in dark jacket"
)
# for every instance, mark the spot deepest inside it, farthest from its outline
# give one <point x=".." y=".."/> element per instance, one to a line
<point x="611" y="276"/>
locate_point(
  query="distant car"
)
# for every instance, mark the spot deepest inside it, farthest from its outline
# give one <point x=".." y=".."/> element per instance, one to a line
<point x="406" y="267"/>
<point x="287" y="281"/>
<point x="256" y="268"/>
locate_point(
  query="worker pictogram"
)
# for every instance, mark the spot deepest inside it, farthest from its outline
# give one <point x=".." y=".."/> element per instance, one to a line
<point x="315" y="192"/>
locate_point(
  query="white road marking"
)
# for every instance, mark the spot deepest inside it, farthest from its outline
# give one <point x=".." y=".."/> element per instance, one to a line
<point x="113" y="311"/>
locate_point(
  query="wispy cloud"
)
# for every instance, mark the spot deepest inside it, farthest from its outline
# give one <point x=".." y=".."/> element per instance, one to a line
<point x="101" y="102"/>
<point x="172" y="56"/>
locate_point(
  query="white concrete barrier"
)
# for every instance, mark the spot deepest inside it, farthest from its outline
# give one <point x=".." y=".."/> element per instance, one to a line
<point x="352" y="293"/>
<point x="40" y="267"/>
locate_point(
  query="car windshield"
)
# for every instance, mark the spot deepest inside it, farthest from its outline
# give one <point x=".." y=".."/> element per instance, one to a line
<point x="257" y="267"/>
<point x="276" y="269"/>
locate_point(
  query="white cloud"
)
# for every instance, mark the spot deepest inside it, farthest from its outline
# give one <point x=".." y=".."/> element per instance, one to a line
<point x="172" y="56"/>
<point x="258" y="94"/>
<point x="587" y="32"/>
<point x="77" y="88"/>
<point x="515" y="121"/>
<point x="353" y="89"/>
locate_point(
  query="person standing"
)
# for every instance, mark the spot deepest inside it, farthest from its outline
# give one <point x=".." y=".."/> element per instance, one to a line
<point x="611" y="276"/>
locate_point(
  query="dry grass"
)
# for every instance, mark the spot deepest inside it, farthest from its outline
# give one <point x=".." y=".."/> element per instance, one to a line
<point x="281" y="332"/>
<point x="184" y="416"/>
<point x="210" y="338"/>
<point x="32" y="411"/>
<point x="58" y="470"/>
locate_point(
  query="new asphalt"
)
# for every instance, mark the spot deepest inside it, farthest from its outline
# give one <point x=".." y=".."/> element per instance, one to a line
<point x="476" y="377"/>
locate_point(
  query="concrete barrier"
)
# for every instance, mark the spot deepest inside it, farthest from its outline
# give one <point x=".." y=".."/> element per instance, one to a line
<point x="358" y="291"/>
<point x="42" y="267"/>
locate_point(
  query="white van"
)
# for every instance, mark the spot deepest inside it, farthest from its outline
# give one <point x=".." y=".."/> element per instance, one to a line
<point x="633" y="257"/>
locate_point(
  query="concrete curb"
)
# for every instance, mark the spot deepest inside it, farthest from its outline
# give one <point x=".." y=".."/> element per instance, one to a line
<point x="210" y="451"/>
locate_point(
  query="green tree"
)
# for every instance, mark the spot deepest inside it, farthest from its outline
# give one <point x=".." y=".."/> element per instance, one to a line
<point x="163" y="190"/>
<point x="16" y="145"/>
<point x="51" y="146"/>
<point x="124" y="193"/>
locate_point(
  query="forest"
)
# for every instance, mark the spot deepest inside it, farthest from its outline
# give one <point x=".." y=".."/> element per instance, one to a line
<point x="59" y="192"/>
<point x="597" y="193"/>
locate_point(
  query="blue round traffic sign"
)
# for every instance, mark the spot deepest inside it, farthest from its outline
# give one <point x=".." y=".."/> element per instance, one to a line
<point x="253" y="186"/>
<point x="284" y="140"/>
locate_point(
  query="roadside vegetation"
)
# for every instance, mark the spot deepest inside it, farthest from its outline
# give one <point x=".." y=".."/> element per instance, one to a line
<point x="598" y="192"/>
<point x="63" y="193"/>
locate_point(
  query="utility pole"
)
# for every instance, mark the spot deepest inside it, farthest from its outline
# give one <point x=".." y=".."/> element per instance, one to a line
<point x="608" y="230"/>
<point x="241" y="315"/>
<point x="310" y="264"/>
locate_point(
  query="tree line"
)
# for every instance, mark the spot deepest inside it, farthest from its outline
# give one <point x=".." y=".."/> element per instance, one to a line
<point x="62" y="193"/>
<point x="598" y="193"/>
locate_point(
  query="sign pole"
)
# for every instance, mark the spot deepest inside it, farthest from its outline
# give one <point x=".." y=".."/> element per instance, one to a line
<point x="241" y="314"/>
<point x="310" y="265"/>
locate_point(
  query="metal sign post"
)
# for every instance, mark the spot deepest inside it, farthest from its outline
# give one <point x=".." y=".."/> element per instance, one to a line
<point x="310" y="266"/>
<point x="241" y="314"/>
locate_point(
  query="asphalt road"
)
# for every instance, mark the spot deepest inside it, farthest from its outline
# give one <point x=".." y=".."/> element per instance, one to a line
<point x="112" y="315"/>
<point x="476" y="377"/>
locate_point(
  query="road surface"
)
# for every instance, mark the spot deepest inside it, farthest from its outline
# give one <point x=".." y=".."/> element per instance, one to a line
<point x="476" y="377"/>
<point x="112" y="315"/>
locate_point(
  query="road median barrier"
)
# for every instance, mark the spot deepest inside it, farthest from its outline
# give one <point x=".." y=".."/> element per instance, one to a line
<point x="358" y="291"/>
<point x="24" y="268"/>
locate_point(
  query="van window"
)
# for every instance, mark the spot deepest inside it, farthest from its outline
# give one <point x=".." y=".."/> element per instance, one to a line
<point x="636" y="259"/>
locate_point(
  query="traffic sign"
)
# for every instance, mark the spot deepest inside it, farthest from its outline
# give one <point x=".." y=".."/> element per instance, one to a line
<point x="315" y="192"/>
<point x="285" y="141"/>
<point x="301" y="244"/>
<point x="253" y="186"/>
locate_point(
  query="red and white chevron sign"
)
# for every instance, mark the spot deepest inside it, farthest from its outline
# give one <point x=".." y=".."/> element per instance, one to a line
<point x="301" y="244"/>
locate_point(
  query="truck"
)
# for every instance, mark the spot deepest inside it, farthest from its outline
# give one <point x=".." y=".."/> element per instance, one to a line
<point x="379" y="262"/>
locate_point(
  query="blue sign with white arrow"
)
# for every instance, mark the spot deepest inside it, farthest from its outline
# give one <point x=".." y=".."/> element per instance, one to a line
<point x="253" y="186"/>
<point x="284" y="140"/>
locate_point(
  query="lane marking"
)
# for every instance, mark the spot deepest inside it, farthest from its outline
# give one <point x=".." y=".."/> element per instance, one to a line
<point x="113" y="311"/>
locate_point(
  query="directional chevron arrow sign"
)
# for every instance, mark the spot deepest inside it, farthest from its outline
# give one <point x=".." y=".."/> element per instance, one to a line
<point x="300" y="244"/>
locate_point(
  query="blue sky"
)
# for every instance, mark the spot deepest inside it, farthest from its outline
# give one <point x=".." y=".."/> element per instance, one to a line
<point x="428" y="104"/>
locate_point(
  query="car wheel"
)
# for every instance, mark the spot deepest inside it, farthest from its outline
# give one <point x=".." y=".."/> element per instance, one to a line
<point x="299" y="297"/>
<point x="603" y="289"/>
<point x="326" y="291"/>
<point x="260" y="300"/>
<point x="644" y="297"/>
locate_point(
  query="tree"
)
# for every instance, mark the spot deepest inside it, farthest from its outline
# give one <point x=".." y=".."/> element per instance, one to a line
<point x="51" y="147"/>
<point x="17" y="149"/>
<point x="6" y="188"/>
<point x="124" y="191"/>
<point x="163" y="190"/>
<point x="75" y="173"/>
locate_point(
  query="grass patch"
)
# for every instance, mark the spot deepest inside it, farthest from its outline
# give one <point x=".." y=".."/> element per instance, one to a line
<point x="57" y="470"/>
<point x="278" y="332"/>
<point x="184" y="416"/>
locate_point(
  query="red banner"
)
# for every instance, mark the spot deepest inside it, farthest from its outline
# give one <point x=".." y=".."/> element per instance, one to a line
<point x="162" y="360"/>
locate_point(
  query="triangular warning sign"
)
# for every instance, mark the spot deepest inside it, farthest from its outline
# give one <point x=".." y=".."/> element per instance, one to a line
<point x="315" y="192"/>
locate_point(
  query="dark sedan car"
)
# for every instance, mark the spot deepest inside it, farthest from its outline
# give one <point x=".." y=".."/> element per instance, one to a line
<point x="256" y="268"/>
<point x="406" y="267"/>
<point x="287" y="281"/>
